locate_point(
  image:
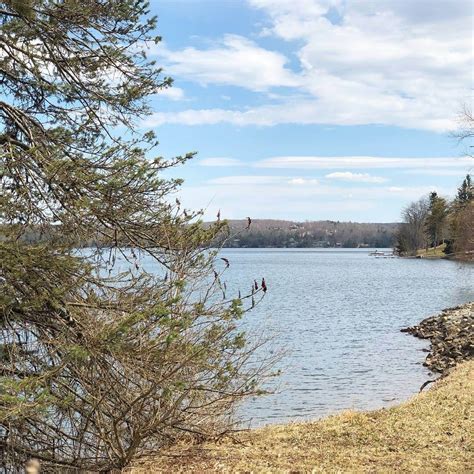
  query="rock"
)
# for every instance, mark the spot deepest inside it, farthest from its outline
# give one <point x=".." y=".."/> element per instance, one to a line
<point x="451" y="334"/>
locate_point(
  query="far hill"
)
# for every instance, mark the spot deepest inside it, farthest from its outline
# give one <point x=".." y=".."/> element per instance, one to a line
<point x="278" y="233"/>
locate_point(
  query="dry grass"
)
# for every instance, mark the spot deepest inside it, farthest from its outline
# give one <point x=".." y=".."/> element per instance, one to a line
<point x="433" y="252"/>
<point x="430" y="433"/>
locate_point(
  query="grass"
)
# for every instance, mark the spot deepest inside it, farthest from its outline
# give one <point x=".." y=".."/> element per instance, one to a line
<point x="430" y="433"/>
<point x="433" y="252"/>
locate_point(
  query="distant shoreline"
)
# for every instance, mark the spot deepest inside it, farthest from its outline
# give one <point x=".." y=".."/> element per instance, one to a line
<point x="267" y="233"/>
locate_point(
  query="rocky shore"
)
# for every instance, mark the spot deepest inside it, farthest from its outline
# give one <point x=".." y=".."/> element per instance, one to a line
<point x="451" y="334"/>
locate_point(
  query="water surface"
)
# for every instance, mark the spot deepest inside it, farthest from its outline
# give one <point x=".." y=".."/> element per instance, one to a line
<point x="339" y="312"/>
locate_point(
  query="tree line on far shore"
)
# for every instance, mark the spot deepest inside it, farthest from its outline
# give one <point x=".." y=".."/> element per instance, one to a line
<point x="264" y="233"/>
<point x="434" y="222"/>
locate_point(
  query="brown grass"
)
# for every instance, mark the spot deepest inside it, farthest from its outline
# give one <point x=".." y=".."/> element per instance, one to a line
<point x="430" y="433"/>
<point x="433" y="252"/>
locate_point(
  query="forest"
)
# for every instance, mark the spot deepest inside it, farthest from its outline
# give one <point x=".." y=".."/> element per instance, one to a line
<point x="309" y="234"/>
<point x="436" y="224"/>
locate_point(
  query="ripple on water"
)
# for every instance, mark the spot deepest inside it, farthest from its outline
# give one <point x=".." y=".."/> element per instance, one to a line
<point x="339" y="314"/>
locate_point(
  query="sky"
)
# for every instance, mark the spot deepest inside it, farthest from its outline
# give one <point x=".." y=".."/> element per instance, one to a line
<point x="313" y="109"/>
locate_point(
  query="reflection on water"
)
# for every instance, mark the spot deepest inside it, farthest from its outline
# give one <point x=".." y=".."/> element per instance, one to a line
<point x="339" y="314"/>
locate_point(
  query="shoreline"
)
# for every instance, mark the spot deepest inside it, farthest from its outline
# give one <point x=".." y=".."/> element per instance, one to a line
<point x="430" y="432"/>
<point x="451" y="334"/>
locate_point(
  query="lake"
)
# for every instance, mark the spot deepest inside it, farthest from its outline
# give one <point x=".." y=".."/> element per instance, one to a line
<point x="338" y="314"/>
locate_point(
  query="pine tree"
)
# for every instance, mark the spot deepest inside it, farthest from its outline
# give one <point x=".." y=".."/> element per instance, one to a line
<point x="101" y="360"/>
<point x="462" y="221"/>
<point x="436" y="220"/>
<point x="465" y="191"/>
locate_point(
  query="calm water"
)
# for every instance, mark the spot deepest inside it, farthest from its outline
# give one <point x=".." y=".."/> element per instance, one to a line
<point x="339" y="313"/>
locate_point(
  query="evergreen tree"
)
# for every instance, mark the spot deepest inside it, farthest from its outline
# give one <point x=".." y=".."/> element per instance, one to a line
<point x="462" y="221"/>
<point x="100" y="360"/>
<point x="436" y="220"/>
<point x="465" y="191"/>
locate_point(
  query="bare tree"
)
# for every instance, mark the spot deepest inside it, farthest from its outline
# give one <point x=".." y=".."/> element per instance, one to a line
<point x="465" y="132"/>
<point x="462" y="214"/>
<point x="411" y="235"/>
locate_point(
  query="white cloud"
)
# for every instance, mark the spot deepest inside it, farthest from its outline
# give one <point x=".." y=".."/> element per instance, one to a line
<point x="236" y="61"/>
<point x="356" y="177"/>
<point x="439" y="172"/>
<point x="389" y="62"/>
<point x="262" y="180"/>
<point x="391" y="55"/>
<point x="361" y="162"/>
<point x="279" y="198"/>
<point x="302" y="112"/>
<point x="220" y="162"/>
<point x="245" y="180"/>
<point x="302" y="181"/>
<point x="172" y="93"/>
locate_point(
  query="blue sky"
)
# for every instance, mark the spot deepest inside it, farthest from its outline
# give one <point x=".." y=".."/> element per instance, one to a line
<point x="313" y="109"/>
